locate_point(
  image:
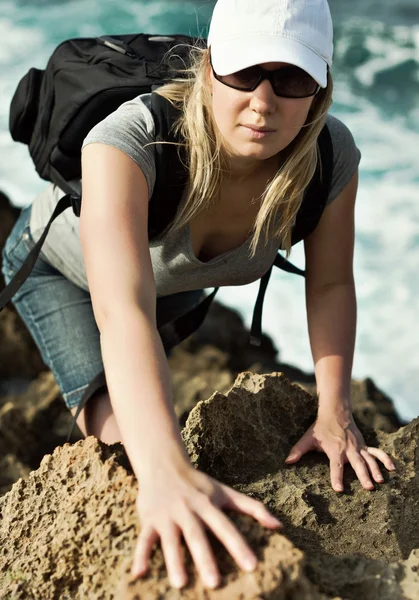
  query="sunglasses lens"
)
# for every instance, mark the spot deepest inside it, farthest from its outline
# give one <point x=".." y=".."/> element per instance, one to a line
<point x="246" y="79"/>
<point x="293" y="82"/>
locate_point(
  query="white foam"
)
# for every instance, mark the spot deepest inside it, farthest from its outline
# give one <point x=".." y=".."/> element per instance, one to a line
<point x="17" y="42"/>
<point x="387" y="46"/>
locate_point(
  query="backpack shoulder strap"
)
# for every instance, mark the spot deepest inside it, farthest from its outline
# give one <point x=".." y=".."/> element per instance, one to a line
<point x="317" y="192"/>
<point x="171" y="171"/>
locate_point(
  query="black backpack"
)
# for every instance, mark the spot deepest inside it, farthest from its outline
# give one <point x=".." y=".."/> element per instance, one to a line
<point x="85" y="80"/>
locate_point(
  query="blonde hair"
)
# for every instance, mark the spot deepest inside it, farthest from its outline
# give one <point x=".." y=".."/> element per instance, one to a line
<point x="206" y="162"/>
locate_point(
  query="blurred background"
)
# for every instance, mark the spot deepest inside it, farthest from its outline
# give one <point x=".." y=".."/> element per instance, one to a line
<point x="376" y="74"/>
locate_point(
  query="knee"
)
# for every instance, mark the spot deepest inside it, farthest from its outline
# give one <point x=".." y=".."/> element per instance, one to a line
<point x="97" y="418"/>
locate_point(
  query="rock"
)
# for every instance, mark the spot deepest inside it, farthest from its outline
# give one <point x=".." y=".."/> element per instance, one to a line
<point x="78" y="511"/>
<point x="69" y="530"/>
<point x="244" y="434"/>
<point x="32" y="424"/>
<point x="195" y="375"/>
<point x="11" y="469"/>
<point x="243" y="438"/>
<point x="19" y="356"/>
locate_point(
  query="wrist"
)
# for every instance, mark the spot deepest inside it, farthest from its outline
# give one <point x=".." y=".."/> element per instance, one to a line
<point x="166" y="458"/>
<point x="337" y="406"/>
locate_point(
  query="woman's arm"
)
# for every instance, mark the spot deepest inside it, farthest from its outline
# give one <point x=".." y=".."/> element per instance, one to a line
<point x="114" y="237"/>
<point x="331" y="301"/>
<point x="175" y="500"/>
<point x="331" y="313"/>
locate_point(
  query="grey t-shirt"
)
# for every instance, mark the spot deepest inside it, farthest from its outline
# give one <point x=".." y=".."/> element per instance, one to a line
<point x="175" y="266"/>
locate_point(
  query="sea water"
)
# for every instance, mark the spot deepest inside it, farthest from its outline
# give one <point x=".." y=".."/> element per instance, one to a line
<point x="376" y="74"/>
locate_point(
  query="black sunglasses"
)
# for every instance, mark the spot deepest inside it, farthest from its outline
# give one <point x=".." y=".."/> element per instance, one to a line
<point x="287" y="82"/>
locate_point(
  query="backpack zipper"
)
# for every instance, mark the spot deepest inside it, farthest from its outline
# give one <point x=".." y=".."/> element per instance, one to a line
<point x="119" y="46"/>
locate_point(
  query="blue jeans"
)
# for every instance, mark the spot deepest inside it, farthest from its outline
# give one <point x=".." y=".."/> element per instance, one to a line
<point x="59" y="315"/>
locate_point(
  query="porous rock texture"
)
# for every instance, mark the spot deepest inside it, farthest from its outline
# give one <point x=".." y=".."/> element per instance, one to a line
<point x="69" y="529"/>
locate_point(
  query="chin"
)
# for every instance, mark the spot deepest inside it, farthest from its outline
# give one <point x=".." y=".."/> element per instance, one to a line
<point x="259" y="153"/>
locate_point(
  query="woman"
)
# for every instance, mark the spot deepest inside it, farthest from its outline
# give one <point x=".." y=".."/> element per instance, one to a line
<point x="252" y="107"/>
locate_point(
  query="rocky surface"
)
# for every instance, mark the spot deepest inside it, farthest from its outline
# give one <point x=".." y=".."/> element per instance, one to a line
<point x="69" y="529"/>
<point x="67" y="515"/>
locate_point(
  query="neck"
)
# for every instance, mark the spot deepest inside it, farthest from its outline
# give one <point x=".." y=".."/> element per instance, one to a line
<point x="243" y="171"/>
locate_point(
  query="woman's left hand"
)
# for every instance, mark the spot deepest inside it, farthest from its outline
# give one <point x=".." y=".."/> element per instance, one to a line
<point x="341" y="440"/>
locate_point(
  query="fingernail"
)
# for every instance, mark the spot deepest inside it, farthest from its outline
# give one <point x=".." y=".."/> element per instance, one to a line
<point x="135" y="571"/>
<point x="339" y="488"/>
<point x="250" y="564"/>
<point x="178" y="581"/>
<point x="212" y="581"/>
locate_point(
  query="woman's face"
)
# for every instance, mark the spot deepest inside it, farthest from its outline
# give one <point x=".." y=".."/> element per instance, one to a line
<point x="235" y="112"/>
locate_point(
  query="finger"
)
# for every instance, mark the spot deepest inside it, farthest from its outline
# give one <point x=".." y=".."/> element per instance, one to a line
<point x="200" y="549"/>
<point x="372" y="465"/>
<point x="146" y="540"/>
<point x="230" y="537"/>
<point x="171" y="546"/>
<point x="361" y="470"/>
<point x="336" y="473"/>
<point x="249" y="506"/>
<point x="305" y="444"/>
<point x="381" y="455"/>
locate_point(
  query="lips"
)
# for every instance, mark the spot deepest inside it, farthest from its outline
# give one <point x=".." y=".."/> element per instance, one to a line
<point x="261" y="129"/>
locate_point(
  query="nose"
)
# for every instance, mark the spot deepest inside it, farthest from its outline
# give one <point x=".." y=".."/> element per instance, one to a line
<point x="263" y="98"/>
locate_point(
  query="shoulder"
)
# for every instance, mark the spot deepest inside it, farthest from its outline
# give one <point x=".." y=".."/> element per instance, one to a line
<point x="340" y="134"/>
<point x="346" y="156"/>
<point x="130" y="128"/>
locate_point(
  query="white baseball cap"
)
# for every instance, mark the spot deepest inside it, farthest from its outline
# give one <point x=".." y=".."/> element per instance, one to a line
<point x="244" y="33"/>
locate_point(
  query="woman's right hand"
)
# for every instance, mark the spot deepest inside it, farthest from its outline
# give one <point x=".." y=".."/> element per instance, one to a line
<point x="182" y="501"/>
